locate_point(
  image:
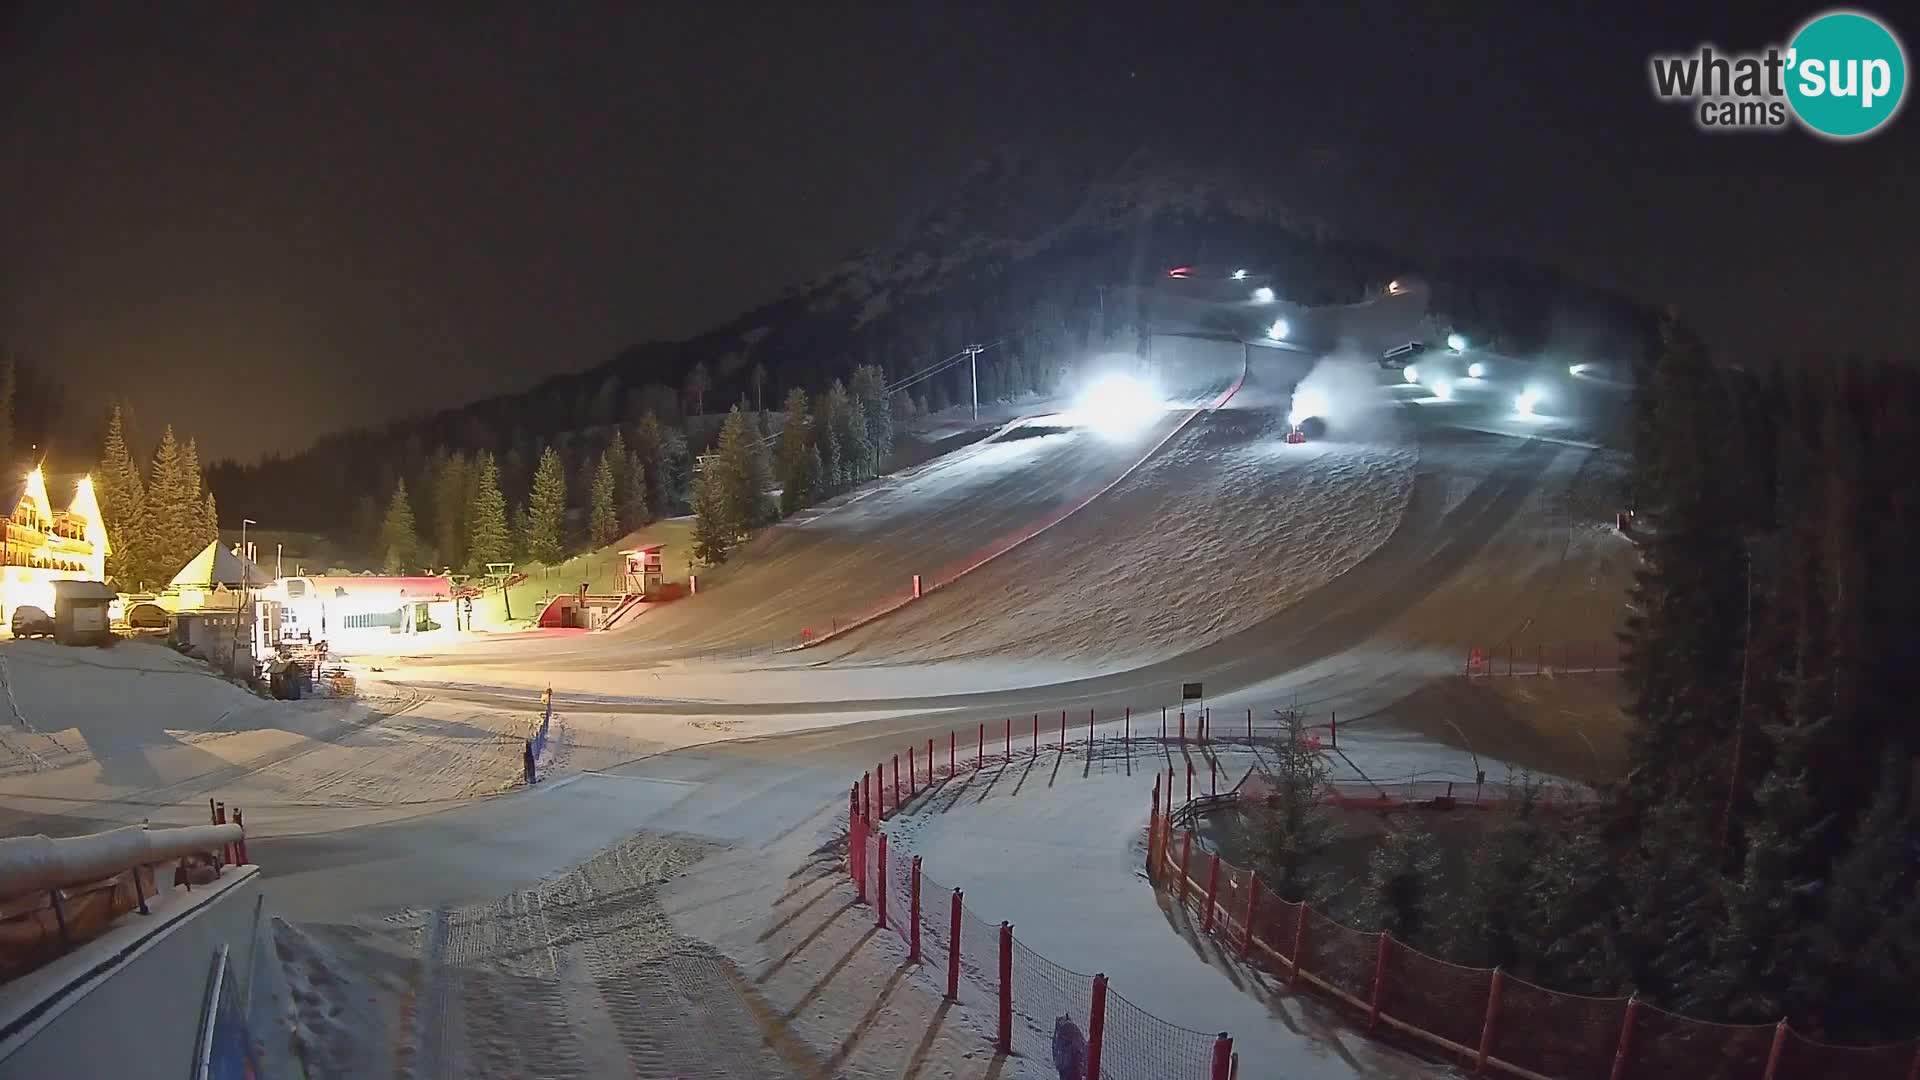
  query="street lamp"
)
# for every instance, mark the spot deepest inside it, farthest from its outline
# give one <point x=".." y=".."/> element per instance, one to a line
<point x="1263" y="295"/>
<point x="1278" y="331"/>
<point x="1239" y="275"/>
<point x="1457" y="342"/>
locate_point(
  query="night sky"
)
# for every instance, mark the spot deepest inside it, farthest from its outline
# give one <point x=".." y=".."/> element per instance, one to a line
<point x="261" y="222"/>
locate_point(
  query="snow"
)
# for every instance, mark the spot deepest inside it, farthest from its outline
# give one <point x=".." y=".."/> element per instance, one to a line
<point x="1227" y="526"/>
<point x="1055" y="845"/>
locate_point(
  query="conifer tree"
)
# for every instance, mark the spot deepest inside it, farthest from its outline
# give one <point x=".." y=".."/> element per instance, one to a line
<point x="603" y="519"/>
<point x="547" y="510"/>
<point x="399" y="540"/>
<point x="123" y="501"/>
<point x="173" y="510"/>
<point x="1401" y="873"/>
<point x="795" y="456"/>
<point x="488" y="538"/>
<point x="869" y="390"/>
<point x="452" y="506"/>
<point x="715" y="527"/>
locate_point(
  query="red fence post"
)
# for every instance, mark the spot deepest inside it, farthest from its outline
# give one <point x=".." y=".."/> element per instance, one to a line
<point x="1773" y="1052"/>
<point x="1163" y="723"/>
<point x="880" y="886"/>
<point x="1063" y="729"/>
<point x="929" y="762"/>
<point x="880" y="791"/>
<point x="857" y="856"/>
<point x="866" y="795"/>
<point x="980" y="748"/>
<point x="1222" y="1057"/>
<point x="913" y="919"/>
<point x="1379" y="980"/>
<point x="1005" y="1040"/>
<point x="1096" y="1024"/>
<point x="1036" y="734"/>
<point x="1626" y="1038"/>
<point x="1186" y="855"/>
<point x="1089" y="731"/>
<point x="913" y="776"/>
<point x="953" y="948"/>
<point x="1253" y="910"/>
<point x="1153" y="827"/>
<point x="1009" y="740"/>
<point x="1213" y="891"/>
<point x="1300" y="942"/>
<point x="1488" y="1025"/>
<point x="853" y="807"/>
<point x="896" y="781"/>
<point x="953" y="768"/>
<point x="1189" y="781"/>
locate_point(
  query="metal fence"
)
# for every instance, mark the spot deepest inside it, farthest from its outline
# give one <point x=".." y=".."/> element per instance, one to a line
<point x="1039" y="1009"/>
<point x="1529" y="658"/>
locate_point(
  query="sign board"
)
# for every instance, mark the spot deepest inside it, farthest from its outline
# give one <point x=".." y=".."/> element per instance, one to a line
<point x="1190" y="691"/>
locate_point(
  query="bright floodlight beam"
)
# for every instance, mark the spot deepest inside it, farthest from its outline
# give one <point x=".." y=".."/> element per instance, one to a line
<point x="1442" y="390"/>
<point x="1527" y="402"/>
<point x="1410" y="373"/>
<point x="1476" y="370"/>
<point x="1278" y="331"/>
<point x="1457" y="342"/>
<point x="1263" y="295"/>
<point x="1117" y="404"/>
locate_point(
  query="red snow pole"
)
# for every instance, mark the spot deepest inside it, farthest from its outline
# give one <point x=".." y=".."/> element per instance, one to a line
<point x="1487" y="1025"/>
<point x="1213" y="892"/>
<point x="880" y="791"/>
<point x="913" y="775"/>
<point x="1063" y="729"/>
<point x="913" y="935"/>
<point x="1774" y="1052"/>
<point x="1253" y="911"/>
<point x="1186" y="857"/>
<point x="1153" y="828"/>
<point x="866" y="795"/>
<point x="1625" y="1044"/>
<point x="1005" y="1040"/>
<point x="1096" y="1024"/>
<point x="953" y="948"/>
<point x="1379" y="980"/>
<point x="896" y="782"/>
<point x="1222" y="1057"/>
<point x="880" y="885"/>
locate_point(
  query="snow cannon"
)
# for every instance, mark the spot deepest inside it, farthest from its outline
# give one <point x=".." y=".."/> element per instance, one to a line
<point x="1296" y="436"/>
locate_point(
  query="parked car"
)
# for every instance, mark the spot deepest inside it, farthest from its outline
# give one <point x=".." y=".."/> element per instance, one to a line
<point x="30" y="621"/>
<point x="148" y="616"/>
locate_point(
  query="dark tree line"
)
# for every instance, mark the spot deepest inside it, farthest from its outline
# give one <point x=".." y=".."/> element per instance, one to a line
<point x="1761" y="857"/>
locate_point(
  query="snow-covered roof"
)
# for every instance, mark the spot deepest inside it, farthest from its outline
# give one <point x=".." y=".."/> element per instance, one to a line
<point x="216" y="565"/>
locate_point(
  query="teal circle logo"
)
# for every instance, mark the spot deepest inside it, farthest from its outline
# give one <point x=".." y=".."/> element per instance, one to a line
<point x="1847" y="74"/>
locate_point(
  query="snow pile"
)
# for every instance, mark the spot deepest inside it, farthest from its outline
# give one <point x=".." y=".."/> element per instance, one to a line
<point x="1227" y="527"/>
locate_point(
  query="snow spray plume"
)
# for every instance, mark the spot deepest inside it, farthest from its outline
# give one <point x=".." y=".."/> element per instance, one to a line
<point x="1344" y="391"/>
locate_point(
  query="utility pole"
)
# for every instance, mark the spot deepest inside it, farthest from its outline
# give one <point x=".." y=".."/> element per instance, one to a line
<point x="973" y="367"/>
